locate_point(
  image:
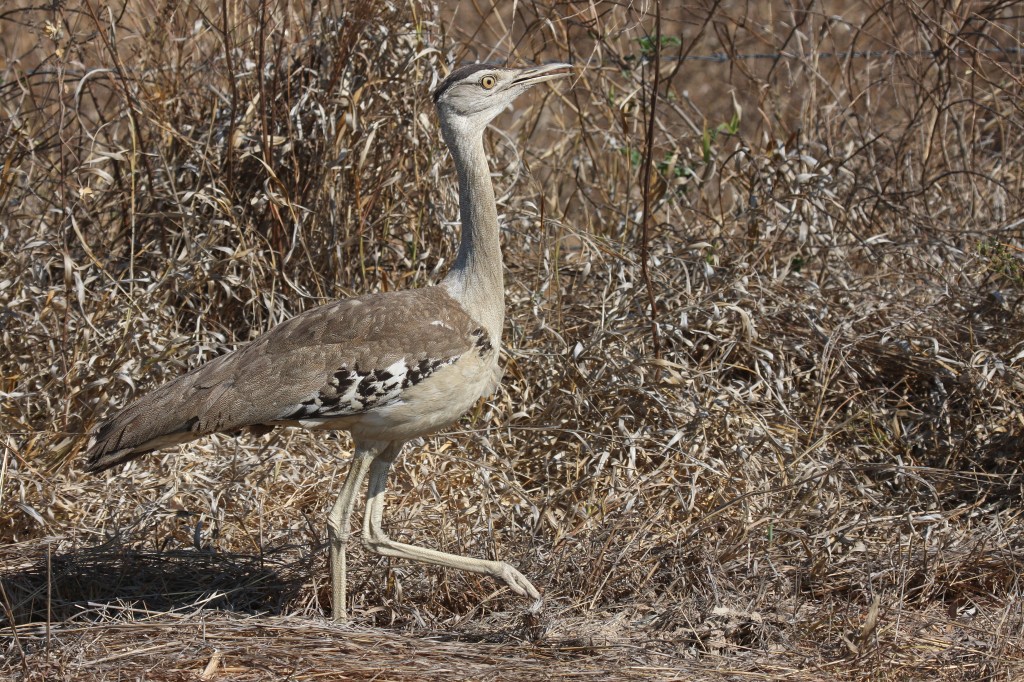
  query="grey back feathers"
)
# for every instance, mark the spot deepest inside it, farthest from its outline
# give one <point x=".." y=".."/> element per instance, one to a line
<point x="336" y="360"/>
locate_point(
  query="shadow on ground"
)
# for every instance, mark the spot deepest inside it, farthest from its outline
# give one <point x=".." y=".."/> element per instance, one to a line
<point x="57" y="586"/>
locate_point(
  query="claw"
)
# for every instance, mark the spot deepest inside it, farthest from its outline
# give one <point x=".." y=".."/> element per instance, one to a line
<point x="517" y="582"/>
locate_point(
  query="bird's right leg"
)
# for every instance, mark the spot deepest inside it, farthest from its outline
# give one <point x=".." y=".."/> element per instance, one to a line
<point x="377" y="541"/>
<point x="338" y="523"/>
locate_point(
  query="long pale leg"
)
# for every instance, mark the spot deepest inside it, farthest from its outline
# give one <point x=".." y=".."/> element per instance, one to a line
<point x="338" y="530"/>
<point x="375" y="539"/>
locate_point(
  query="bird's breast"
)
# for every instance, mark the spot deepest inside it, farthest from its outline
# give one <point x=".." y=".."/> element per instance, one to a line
<point x="435" y="402"/>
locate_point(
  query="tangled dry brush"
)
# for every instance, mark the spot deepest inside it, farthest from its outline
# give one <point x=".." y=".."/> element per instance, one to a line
<point x="803" y="462"/>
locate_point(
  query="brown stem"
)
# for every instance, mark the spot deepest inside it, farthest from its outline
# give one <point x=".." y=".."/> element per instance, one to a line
<point x="646" y="186"/>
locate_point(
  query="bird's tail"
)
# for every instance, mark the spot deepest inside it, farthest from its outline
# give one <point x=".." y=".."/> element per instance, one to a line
<point x="102" y="453"/>
<point x="157" y="420"/>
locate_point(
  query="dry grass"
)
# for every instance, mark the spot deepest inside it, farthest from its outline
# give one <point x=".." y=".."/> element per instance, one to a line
<point x="818" y="474"/>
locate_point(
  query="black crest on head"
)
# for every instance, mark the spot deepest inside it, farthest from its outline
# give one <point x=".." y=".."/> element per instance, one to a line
<point x="457" y="75"/>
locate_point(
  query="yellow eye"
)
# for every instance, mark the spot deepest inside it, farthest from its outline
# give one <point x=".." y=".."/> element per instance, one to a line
<point x="488" y="82"/>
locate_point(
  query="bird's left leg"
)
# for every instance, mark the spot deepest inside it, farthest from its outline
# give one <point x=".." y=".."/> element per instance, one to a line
<point x="338" y="522"/>
<point x="375" y="540"/>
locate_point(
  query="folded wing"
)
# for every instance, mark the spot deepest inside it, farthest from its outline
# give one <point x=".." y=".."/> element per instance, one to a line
<point x="337" y="360"/>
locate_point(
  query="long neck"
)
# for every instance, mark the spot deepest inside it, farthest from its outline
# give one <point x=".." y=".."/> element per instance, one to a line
<point x="476" y="280"/>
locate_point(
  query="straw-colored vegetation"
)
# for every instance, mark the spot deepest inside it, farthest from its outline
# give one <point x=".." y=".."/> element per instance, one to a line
<point x="813" y="469"/>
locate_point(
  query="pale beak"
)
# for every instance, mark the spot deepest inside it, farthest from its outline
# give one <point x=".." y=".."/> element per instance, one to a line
<point x="539" y="74"/>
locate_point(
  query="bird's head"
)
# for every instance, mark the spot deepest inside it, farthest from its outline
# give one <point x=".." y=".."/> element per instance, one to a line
<point x="472" y="95"/>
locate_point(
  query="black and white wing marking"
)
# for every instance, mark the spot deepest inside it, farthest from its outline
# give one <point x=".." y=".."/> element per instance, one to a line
<point x="351" y="391"/>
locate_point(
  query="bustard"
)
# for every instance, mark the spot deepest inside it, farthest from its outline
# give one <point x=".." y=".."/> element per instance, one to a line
<point x="386" y="367"/>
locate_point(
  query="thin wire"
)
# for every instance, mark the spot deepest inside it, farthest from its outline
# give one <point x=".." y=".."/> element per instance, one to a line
<point x="719" y="57"/>
<point x="713" y="58"/>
